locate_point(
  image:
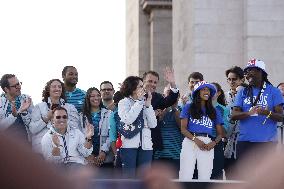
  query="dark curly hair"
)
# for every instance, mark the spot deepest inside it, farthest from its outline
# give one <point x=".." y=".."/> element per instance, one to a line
<point x="195" y="75"/>
<point x="87" y="104"/>
<point x="64" y="71"/>
<point x="129" y="85"/>
<point x="46" y="90"/>
<point x="236" y="70"/>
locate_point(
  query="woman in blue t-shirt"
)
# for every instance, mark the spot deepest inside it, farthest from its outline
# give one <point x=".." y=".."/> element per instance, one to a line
<point x="197" y="122"/>
<point x="258" y="107"/>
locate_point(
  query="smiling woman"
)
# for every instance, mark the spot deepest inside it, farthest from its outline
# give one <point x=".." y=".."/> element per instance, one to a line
<point x="198" y="120"/>
<point x="39" y="38"/>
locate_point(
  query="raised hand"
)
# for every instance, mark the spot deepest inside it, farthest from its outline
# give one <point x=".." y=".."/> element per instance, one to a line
<point x="14" y="109"/>
<point x="55" y="140"/>
<point x="149" y="99"/>
<point x="25" y="104"/>
<point x="184" y="99"/>
<point x="169" y="76"/>
<point x="89" y="130"/>
<point x="140" y="93"/>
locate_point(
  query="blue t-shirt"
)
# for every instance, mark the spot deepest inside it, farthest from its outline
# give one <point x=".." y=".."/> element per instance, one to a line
<point x="76" y="98"/>
<point x="112" y="123"/>
<point x="225" y="116"/>
<point x="172" y="138"/>
<point x="203" y="125"/>
<point x="252" y="128"/>
<point x="96" y="117"/>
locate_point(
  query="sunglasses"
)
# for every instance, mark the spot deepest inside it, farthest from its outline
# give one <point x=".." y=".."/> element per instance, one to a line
<point x="59" y="117"/>
<point x="16" y="85"/>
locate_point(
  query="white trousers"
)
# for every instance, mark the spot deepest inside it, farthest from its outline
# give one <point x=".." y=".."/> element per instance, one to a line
<point x="190" y="152"/>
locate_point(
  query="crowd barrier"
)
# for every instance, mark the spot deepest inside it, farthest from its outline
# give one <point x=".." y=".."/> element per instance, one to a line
<point x="138" y="184"/>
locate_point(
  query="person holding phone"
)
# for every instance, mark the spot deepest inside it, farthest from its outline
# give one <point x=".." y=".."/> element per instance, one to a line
<point x="53" y="96"/>
<point x="136" y="151"/>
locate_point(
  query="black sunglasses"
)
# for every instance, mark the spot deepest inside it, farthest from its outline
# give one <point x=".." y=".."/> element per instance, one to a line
<point x="59" y="117"/>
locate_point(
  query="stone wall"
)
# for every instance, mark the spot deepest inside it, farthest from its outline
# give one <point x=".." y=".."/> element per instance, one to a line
<point x="208" y="36"/>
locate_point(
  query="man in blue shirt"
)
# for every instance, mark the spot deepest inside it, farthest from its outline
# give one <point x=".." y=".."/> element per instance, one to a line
<point x="73" y="95"/>
<point x="258" y="107"/>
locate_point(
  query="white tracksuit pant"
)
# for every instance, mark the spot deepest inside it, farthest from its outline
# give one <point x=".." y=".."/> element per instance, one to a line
<point x="190" y="152"/>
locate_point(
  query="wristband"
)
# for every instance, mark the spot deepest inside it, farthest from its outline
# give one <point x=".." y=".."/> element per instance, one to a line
<point x="268" y="116"/>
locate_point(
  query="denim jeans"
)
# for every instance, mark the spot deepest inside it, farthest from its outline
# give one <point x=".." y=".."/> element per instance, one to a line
<point x="133" y="158"/>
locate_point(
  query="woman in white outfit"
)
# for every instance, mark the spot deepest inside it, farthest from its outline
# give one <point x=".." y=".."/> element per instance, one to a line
<point x="197" y="122"/>
<point x="136" y="150"/>
<point x="53" y="96"/>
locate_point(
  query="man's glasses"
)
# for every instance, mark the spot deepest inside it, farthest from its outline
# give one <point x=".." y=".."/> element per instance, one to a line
<point x="59" y="117"/>
<point x="232" y="79"/>
<point x="107" y="89"/>
<point x="16" y="85"/>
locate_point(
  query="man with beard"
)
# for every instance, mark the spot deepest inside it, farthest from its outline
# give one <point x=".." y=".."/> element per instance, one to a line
<point x="107" y="92"/>
<point x="73" y="95"/>
<point x="159" y="103"/>
<point x="258" y="107"/>
<point x="15" y="108"/>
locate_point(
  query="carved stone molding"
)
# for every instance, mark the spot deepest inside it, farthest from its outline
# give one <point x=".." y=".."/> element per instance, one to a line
<point x="148" y="5"/>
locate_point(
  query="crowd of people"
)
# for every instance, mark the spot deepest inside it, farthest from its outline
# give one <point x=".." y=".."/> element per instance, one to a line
<point x="201" y="134"/>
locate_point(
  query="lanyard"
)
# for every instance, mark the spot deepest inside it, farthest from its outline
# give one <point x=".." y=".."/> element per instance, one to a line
<point x="67" y="158"/>
<point x="262" y="89"/>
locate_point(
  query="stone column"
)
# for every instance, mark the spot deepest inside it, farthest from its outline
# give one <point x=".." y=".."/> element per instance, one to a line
<point x="149" y="37"/>
<point x="137" y="39"/>
<point x="161" y="42"/>
<point x="207" y="37"/>
<point x="264" y="21"/>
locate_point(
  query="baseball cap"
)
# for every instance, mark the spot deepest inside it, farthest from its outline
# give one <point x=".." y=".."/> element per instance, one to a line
<point x="203" y="84"/>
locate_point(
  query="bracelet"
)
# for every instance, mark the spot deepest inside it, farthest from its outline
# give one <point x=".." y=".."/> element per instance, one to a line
<point x="193" y="138"/>
<point x="268" y="116"/>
